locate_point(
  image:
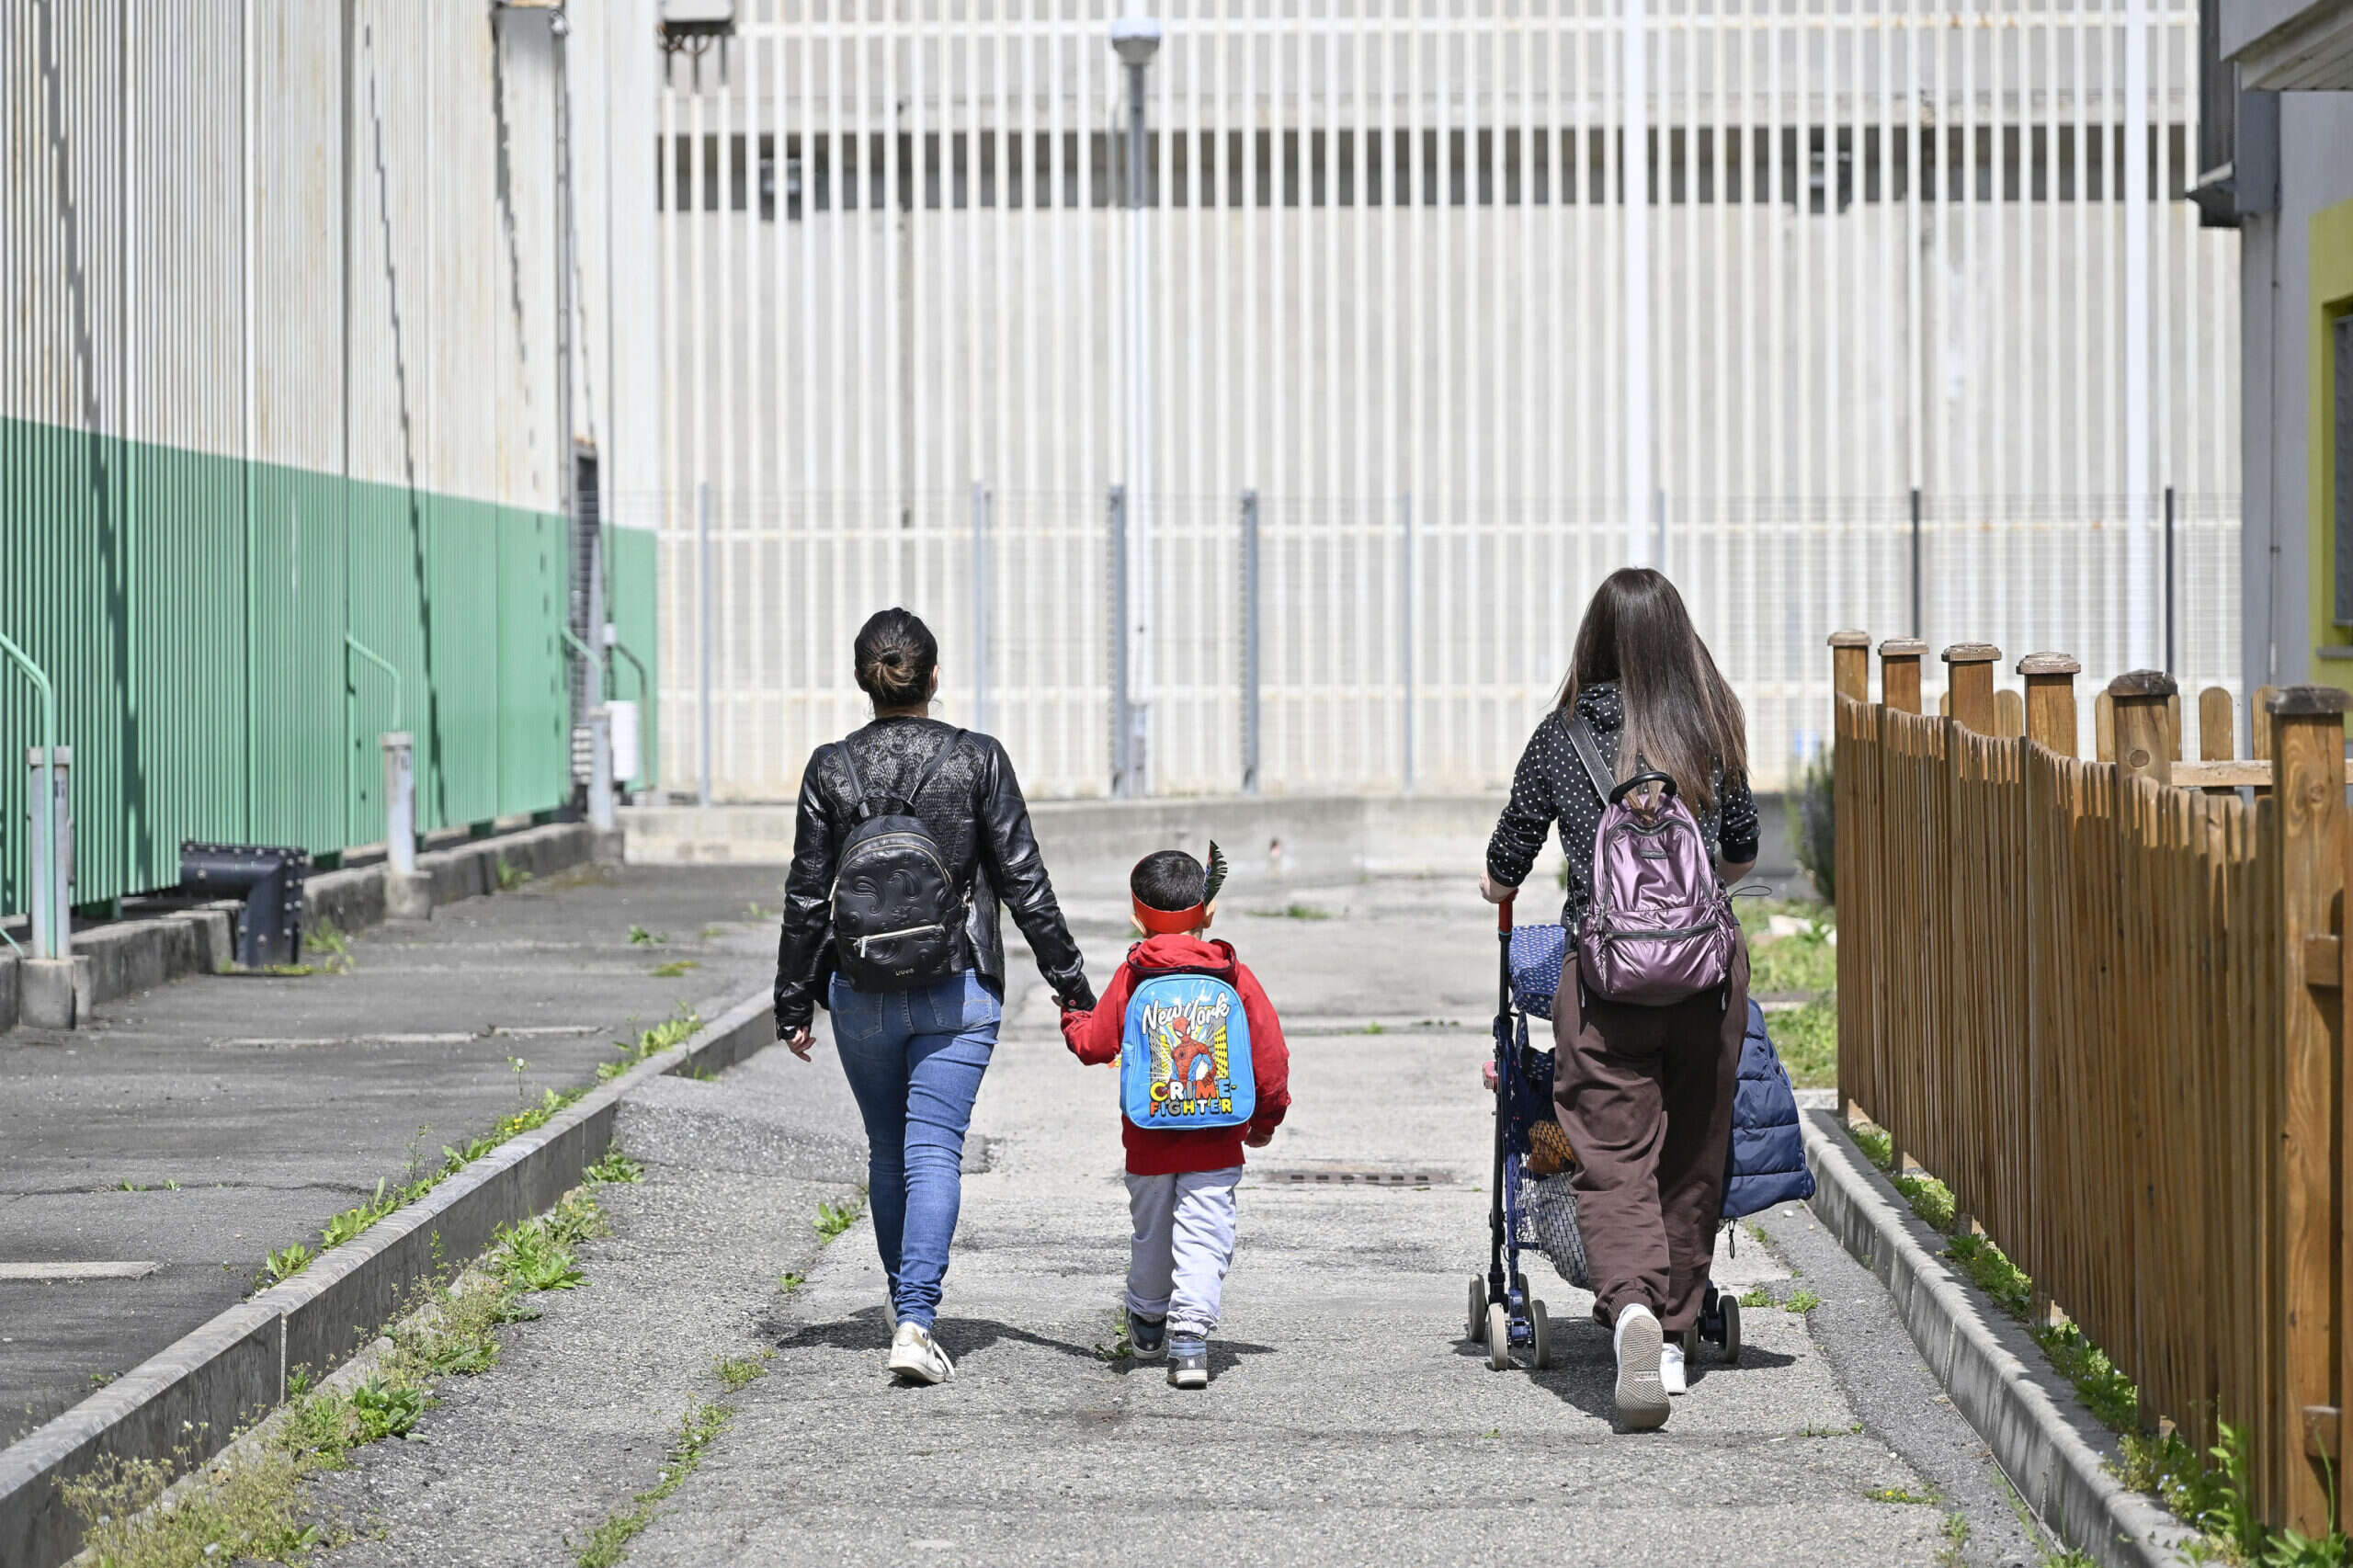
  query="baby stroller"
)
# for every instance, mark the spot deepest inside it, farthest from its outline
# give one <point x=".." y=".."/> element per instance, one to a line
<point x="1529" y="1205"/>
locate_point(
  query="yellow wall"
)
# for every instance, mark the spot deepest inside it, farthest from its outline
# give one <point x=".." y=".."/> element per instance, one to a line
<point x="2332" y="296"/>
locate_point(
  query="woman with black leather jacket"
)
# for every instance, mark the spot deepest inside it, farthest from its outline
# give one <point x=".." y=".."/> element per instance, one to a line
<point x="915" y="1057"/>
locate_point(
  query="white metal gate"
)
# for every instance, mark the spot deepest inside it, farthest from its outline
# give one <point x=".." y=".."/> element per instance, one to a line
<point x="1404" y="268"/>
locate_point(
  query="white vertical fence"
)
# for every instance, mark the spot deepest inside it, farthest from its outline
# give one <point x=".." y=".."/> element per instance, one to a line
<point x="1886" y="249"/>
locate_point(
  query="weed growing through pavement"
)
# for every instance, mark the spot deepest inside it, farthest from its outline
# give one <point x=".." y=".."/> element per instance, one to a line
<point x="283" y="1265"/>
<point x="652" y="1042"/>
<point x="1802" y="1301"/>
<point x="695" y="1434"/>
<point x="642" y="938"/>
<point x="510" y="875"/>
<point x="789" y="1282"/>
<point x="675" y="967"/>
<point x="1898" y="1495"/>
<point x="615" y="1166"/>
<point x="737" y="1372"/>
<point x="1118" y="1348"/>
<point x="328" y="943"/>
<point x="1292" y="912"/>
<point x="1757" y="1297"/>
<point x="832" y="1218"/>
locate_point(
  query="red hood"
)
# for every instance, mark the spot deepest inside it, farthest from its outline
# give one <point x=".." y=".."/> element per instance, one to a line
<point x="1180" y="952"/>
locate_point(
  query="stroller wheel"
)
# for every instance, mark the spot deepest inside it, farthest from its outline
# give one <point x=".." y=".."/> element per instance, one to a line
<point x="1731" y="1328"/>
<point x="1540" y="1337"/>
<point x="1477" y="1329"/>
<point x="1499" y="1338"/>
<point x="1690" y="1339"/>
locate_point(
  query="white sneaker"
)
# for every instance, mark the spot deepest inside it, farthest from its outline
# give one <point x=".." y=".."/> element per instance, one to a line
<point x="915" y="1357"/>
<point x="1642" y="1397"/>
<point x="1670" y="1369"/>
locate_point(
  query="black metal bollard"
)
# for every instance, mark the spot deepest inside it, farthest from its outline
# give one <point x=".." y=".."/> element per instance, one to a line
<point x="270" y="878"/>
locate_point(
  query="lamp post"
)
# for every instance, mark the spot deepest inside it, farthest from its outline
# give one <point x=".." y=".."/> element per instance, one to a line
<point x="1136" y="39"/>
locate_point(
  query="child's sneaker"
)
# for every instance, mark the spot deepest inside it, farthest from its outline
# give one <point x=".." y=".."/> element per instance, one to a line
<point x="917" y="1358"/>
<point x="1188" y="1361"/>
<point x="1670" y="1370"/>
<point x="1147" y="1338"/>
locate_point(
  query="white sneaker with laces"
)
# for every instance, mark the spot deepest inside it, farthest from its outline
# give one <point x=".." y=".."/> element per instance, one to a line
<point x="1670" y="1369"/>
<point x="915" y="1357"/>
<point x="1642" y="1397"/>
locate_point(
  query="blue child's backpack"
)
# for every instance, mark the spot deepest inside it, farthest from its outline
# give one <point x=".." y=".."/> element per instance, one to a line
<point x="1184" y="1053"/>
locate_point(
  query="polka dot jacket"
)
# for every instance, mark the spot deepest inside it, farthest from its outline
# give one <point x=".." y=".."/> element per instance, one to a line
<point x="1549" y="786"/>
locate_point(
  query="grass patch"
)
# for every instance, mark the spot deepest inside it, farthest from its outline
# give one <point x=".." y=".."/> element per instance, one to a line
<point x="675" y="967"/>
<point x="695" y="1434"/>
<point x="1801" y="1303"/>
<point x="1898" y="1495"/>
<point x="248" y="1505"/>
<point x="1757" y="1297"/>
<point x="1807" y="1039"/>
<point x="510" y="875"/>
<point x="1292" y="912"/>
<point x="1804" y="961"/>
<point x="832" y="1218"/>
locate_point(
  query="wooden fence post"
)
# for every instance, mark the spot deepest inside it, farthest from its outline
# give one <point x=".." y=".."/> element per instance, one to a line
<point x="1850" y="664"/>
<point x="1968" y="673"/>
<point x="1899" y="673"/>
<point x="2214" y="741"/>
<point x="2142" y="748"/>
<point x="2050" y="701"/>
<point x="2307" y="724"/>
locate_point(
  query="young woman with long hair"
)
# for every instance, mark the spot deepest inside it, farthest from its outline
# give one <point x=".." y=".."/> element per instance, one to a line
<point x="1644" y="1092"/>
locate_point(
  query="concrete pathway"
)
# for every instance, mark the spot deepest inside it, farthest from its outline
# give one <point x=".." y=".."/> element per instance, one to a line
<point x="1347" y="1421"/>
<point x="204" y="1123"/>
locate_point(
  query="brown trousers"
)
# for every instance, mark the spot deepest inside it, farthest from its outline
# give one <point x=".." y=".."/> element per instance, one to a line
<point x="1645" y="1096"/>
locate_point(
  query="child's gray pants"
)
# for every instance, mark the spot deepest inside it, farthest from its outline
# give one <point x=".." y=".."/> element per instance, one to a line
<point x="1183" y="1244"/>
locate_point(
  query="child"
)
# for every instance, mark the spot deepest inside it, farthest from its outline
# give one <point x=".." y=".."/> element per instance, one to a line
<point x="1181" y="1075"/>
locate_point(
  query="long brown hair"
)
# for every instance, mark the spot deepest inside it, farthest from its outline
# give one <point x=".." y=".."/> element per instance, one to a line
<point x="1681" y="716"/>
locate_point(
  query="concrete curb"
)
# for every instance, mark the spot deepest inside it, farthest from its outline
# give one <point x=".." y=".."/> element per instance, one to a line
<point x="2052" y="1449"/>
<point x="186" y="1402"/>
<point x="131" y="955"/>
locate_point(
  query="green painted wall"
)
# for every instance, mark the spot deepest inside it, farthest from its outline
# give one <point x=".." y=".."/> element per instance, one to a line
<point x="191" y="610"/>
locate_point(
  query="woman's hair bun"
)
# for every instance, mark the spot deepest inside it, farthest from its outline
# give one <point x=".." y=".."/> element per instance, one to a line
<point x="894" y="657"/>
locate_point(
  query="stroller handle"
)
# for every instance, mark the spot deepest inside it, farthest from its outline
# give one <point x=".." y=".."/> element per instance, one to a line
<point x="1503" y="914"/>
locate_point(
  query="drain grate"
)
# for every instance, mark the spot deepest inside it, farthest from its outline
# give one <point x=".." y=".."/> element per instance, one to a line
<point x="1357" y="1176"/>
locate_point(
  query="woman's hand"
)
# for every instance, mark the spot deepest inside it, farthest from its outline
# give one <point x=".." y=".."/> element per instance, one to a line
<point x="798" y="1040"/>
<point x="1495" y="892"/>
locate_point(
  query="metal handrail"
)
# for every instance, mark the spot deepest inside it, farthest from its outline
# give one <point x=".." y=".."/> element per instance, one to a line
<point x="587" y="656"/>
<point x="382" y="663"/>
<point x="644" y="687"/>
<point x="44" y="877"/>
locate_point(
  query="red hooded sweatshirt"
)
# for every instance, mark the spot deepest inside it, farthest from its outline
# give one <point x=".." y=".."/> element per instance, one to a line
<point x="1094" y="1038"/>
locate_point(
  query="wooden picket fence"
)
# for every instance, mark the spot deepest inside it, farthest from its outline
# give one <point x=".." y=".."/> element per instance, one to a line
<point x="2102" y="1001"/>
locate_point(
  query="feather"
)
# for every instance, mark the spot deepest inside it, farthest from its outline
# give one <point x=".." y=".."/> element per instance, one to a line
<point x="1216" y="878"/>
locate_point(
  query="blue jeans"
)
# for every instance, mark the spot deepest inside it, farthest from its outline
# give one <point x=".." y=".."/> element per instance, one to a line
<point x="914" y="1060"/>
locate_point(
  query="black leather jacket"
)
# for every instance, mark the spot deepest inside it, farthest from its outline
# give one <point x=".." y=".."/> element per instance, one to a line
<point x="973" y="807"/>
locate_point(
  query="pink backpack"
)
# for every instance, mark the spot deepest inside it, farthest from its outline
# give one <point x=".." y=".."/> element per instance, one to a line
<point x="1661" y="927"/>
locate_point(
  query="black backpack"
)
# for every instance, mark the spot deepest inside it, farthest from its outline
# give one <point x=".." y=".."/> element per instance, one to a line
<point x="897" y="911"/>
